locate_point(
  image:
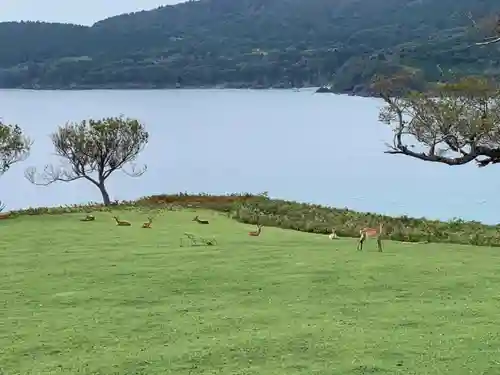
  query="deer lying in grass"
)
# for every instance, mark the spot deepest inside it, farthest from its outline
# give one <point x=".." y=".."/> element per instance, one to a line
<point x="371" y="233"/>
<point x="199" y="221"/>
<point x="333" y="235"/>
<point x="88" y="218"/>
<point x="148" y="223"/>
<point x="122" y="223"/>
<point x="257" y="232"/>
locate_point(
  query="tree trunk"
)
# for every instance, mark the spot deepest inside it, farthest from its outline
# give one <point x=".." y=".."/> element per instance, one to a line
<point x="105" y="195"/>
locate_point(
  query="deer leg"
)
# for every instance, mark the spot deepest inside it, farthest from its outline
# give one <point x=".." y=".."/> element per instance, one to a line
<point x="379" y="243"/>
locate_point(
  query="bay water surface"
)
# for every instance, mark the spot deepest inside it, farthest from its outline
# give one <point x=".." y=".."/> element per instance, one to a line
<point x="319" y="148"/>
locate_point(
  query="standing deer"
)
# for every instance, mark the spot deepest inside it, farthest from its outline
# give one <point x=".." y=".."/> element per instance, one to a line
<point x="199" y="221"/>
<point x="257" y="232"/>
<point x="369" y="233"/>
<point x="148" y="223"/>
<point x="121" y="223"/>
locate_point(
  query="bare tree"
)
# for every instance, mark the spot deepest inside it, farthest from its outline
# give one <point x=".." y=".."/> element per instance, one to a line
<point x="93" y="150"/>
<point x="453" y="123"/>
<point x="14" y="147"/>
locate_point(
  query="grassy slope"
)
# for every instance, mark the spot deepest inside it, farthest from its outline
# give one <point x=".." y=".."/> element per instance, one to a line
<point x="93" y="298"/>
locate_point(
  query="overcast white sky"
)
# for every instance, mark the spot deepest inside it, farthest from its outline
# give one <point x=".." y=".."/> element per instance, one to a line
<point x="84" y="12"/>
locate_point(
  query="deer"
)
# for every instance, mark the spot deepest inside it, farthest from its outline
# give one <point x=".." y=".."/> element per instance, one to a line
<point x="199" y="221"/>
<point x="333" y="235"/>
<point x="148" y="223"/>
<point x="122" y="223"/>
<point x="88" y="218"/>
<point x="257" y="232"/>
<point x="370" y="233"/>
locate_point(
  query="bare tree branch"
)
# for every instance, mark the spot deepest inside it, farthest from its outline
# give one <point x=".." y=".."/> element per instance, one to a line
<point x="493" y="40"/>
<point x="490" y="25"/>
<point x="135" y="171"/>
<point x="53" y="174"/>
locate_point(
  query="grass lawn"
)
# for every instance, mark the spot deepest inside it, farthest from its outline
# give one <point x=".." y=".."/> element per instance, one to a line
<point x="94" y="298"/>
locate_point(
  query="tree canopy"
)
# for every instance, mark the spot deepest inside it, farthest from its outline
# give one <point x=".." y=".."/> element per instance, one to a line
<point x="14" y="146"/>
<point x="93" y="150"/>
<point x="253" y="43"/>
<point x="451" y="123"/>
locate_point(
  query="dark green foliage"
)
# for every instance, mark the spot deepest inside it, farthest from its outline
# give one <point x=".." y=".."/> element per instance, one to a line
<point x="251" y="43"/>
<point x="253" y="209"/>
<point x="14" y="146"/>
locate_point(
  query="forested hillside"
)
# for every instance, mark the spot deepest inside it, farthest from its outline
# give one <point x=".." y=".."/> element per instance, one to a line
<point x="252" y="43"/>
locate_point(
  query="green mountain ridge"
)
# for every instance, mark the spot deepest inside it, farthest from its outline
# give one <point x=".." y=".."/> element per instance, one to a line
<point x="252" y="43"/>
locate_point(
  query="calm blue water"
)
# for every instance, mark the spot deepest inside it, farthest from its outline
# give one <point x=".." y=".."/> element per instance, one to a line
<point x="324" y="149"/>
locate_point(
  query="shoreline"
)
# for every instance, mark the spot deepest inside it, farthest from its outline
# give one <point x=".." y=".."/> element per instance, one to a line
<point x="128" y="87"/>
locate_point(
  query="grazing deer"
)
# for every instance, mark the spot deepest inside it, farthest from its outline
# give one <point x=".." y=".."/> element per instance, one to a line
<point x="148" y="223"/>
<point x="333" y="235"/>
<point x="122" y="223"/>
<point x="368" y="233"/>
<point x="199" y="221"/>
<point x="88" y="218"/>
<point x="257" y="232"/>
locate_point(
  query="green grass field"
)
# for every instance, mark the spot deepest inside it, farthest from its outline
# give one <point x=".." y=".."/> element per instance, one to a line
<point x="94" y="298"/>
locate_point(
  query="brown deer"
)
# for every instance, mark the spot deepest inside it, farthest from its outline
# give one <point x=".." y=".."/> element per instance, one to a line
<point x="257" y="232"/>
<point x="199" y="221"/>
<point x="88" y="218"/>
<point x="371" y="233"/>
<point x="121" y="223"/>
<point x="148" y="223"/>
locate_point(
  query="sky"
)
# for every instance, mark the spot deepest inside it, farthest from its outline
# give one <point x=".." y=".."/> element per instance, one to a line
<point x="84" y="12"/>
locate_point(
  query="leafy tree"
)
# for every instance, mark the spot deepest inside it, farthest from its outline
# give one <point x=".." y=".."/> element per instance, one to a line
<point x="14" y="147"/>
<point x="93" y="150"/>
<point x="451" y="123"/>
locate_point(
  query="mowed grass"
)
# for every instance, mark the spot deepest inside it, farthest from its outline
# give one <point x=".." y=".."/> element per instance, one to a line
<point x="94" y="298"/>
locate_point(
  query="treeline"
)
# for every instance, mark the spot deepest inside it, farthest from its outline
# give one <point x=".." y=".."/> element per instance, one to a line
<point x="251" y="43"/>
